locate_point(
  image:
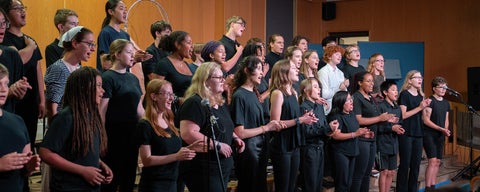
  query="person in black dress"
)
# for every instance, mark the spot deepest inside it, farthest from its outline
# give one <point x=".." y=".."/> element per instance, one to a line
<point x="411" y="103"/>
<point x="250" y="126"/>
<point x="204" y="97"/>
<point x="285" y="144"/>
<point x="121" y="108"/>
<point x="387" y="142"/>
<point x="160" y="145"/>
<point x="367" y="114"/>
<point x="435" y="118"/>
<point x="345" y="141"/>
<point x="312" y="154"/>
<point x="294" y="55"/>
<point x="76" y="138"/>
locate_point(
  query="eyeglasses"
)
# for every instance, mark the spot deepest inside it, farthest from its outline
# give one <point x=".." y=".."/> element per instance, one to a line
<point x="355" y="51"/>
<point x="19" y="8"/>
<point x="241" y="23"/>
<point x="5" y="24"/>
<point x="220" y="78"/>
<point x="167" y="94"/>
<point x="441" y="87"/>
<point x="350" y="100"/>
<point x="90" y="44"/>
<point x="416" y="77"/>
<point x="379" y="60"/>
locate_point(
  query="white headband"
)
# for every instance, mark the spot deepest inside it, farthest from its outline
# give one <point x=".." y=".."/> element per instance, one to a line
<point x="68" y="36"/>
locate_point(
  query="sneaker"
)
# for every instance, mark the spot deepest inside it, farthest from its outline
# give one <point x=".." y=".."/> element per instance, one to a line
<point x="375" y="173"/>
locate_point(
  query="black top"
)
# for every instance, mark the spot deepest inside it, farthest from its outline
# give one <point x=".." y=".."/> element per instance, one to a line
<point x="58" y="139"/>
<point x="263" y="87"/>
<point x="438" y="115"/>
<point x="148" y="66"/>
<point x="159" y="146"/>
<point x="316" y="132"/>
<point x="413" y="125"/>
<point x="349" y="72"/>
<point x="293" y="137"/>
<point x="194" y="111"/>
<point x="387" y="138"/>
<point x="53" y="52"/>
<point x="12" y="60"/>
<point x="230" y="50"/>
<point x="30" y="68"/>
<point x="180" y="82"/>
<point x="246" y="109"/>
<point x="14" y="137"/>
<point x="347" y="123"/>
<point x="124" y="93"/>
<point x="271" y="58"/>
<point x="367" y="108"/>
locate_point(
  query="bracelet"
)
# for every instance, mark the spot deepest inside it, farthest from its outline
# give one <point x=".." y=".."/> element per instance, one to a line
<point x="263" y="129"/>
<point x="218" y="146"/>
<point x="297" y="121"/>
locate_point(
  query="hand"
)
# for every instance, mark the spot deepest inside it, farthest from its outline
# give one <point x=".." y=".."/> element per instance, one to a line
<point x="346" y="83"/>
<point x="42" y="111"/>
<point x="425" y="103"/>
<point x="107" y="173"/>
<point x="33" y="163"/>
<point x="394" y="120"/>
<point x="29" y="41"/>
<point x="273" y="126"/>
<point x="240" y="145"/>
<point x="266" y="67"/>
<point x="398" y="129"/>
<point x="369" y="134"/>
<point x="141" y="56"/>
<point x="361" y="131"/>
<point x="19" y="88"/>
<point x="239" y="47"/>
<point x="386" y="116"/>
<point x="446" y="132"/>
<point x="225" y="149"/>
<point x="198" y="146"/>
<point x="13" y="161"/>
<point x="185" y="154"/>
<point x="322" y="101"/>
<point x="334" y="125"/>
<point x="93" y="175"/>
<point x="308" y="118"/>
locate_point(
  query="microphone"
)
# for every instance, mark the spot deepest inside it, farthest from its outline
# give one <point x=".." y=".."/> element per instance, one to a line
<point x="206" y="103"/>
<point x="451" y="91"/>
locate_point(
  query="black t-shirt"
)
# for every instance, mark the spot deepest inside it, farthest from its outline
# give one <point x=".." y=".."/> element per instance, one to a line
<point x="288" y="139"/>
<point x="230" y="50"/>
<point x="349" y="72"/>
<point x="438" y="115"/>
<point x="317" y="131"/>
<point x="347" y="123"/>
<point x="413" y="125"/>
<point x="180" y="82"/>
<point x="246" y="109"/>
<point x="386" y="138"/>
<point x="148" y="66"/>
<point x="366" y="108"/>
<point x="194" y="111"/>
<point x="124" y="92"/>
<point x="12" y="60"/>
<point x="53" y="52"/>
<point x="159" y="146"/>
<point x="263" y="87"/>
<point x="271" y="58"/>
<point x="58" y="139"/>
<point x="14" y="137"/>
<point x="30" y="68"/>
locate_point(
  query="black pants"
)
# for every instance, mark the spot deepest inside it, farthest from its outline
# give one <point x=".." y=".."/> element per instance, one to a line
<point x="251" y="165"/>
<point x="202" y="175"/>
<point x="410" y="151"/>
<point x="285" y="169"/>
<point x="344" y="166"/>
<point x="363" y="166"/>
<point x="311" y="167"/>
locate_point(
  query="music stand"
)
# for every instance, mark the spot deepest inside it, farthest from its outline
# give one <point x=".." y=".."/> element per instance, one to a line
<point x="471" y="169"/>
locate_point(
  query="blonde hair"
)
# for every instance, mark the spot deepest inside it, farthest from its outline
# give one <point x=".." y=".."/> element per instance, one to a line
<point x="371" y="68"/>
<point x="306" y="86"/>
<point x="152" y="110"/>
<point x="304" y="66"/>
<point x="280" y="78"/>
<point x="348" y="50"/>
<point x="198" y="86"/>
<point x="406" y="83"/>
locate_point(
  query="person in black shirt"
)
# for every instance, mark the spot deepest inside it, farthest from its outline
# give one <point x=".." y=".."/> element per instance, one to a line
<point x="16" y="159"/>
<point x="411" y="103"/>
<point x="250" y="126"/>
<point x="312" y="154"/>
<point x="275" y="52"/>
<point x="64" y="20"/>
<point x="345" y="142"/>
<point x="294" y="55"/>
<point x="352" y="56"/>
<point x="158" y="29"/>
<point x="235" y="27"/>
<point x="160" y="145"/>
<point x="387" y="142"/>
<point x="76" y="138"/>
<point x="435" y="118"/>
<point x="301" y="42"/>
<point x="203" y="100"/>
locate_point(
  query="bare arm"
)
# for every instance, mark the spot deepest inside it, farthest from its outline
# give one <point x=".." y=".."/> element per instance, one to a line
<point x="103" y="108"/>
<point x="365" y="121"/>
<point x="232" y="61"/>
<point x="152" y="160"/>
<point x="41" y="91"/>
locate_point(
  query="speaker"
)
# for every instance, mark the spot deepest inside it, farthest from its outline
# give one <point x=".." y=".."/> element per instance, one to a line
<point x="328" y="11"/>
<point x="473" y="79"/>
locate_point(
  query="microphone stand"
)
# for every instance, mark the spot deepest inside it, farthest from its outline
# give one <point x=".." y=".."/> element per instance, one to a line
<point x="472" y="167"/>
<point x="211" y="137"/>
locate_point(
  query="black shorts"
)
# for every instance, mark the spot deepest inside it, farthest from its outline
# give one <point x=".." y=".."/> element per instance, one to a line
<point x="433" y="145"/>
<point x="386" y="161"/>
